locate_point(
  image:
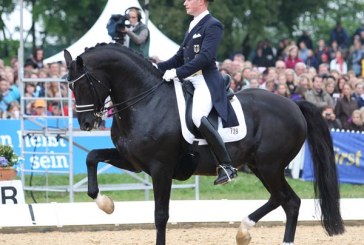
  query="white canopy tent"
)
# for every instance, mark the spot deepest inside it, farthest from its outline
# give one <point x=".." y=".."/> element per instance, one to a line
<point x="160" y="45"/>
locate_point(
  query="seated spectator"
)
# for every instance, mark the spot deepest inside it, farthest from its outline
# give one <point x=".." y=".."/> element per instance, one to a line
<point x="340" y="35"/>
<point x="336" y="74"/>
<point x="254" y="83"/>
<point x="13" y="111"/>
<point x="299" y="93"/>
<point x="324" y="69"/>
<point x="305" y="37"/>
<point x="345" y="105"/>
<point x="292" y="58"/>
<point x="330" y="85"/>
<point x="55" y="69"/>
<point x="7" y="94"/>
<point x="268" y="52"/>
<point x="341" y="81"/>
<point x="339" y="63"/>
<point x="40" y="108"/>
<point x="359" y="94"/>
<point x="330" y="118"/>
<point x="362" y="113"/>
<point x="291" y="80"/>
<point x="282" y="46"/>
<point x="280" y="67"/>
<point x="239" y="57"/>
<point x="233" y="85"/>
<point x="29" y="93"/>
<point x="303" y="51"/>
<point x="300" y="68"/>
<point x="36" y="60"/>
<point x="317" y="95"/>
<point x="259" y="60"/>
<point x="246" y="76"/>
<point x="304" y="81"/>
<point x="238" y="80"/>
<point x="58" y="109"/>
<point x="283" y="90"/>
<point x="311" y="72"/>
<point x="321" y="51"/>
<point x="355" y="57"/>
<point x="311" y="60"/>
<point x="356" y="122"/>
<point x="359" y="30"/>
<point x="270" y="86"/>
<point x="282" y="78"/>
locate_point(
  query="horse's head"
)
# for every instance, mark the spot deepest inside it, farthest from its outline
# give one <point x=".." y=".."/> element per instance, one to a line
<point x="89" y="92"/>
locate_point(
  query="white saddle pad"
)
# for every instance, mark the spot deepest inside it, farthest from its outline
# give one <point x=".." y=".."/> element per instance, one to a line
<point x="227" y="134"/>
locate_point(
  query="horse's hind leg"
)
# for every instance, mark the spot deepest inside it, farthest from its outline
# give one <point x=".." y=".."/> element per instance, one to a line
<point x="110" y="156"/>
<point x="281" y="194"/>
<point x="291" y="208"/>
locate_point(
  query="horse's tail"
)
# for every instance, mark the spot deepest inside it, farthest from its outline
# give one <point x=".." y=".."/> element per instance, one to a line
<point x="326" y="179"/>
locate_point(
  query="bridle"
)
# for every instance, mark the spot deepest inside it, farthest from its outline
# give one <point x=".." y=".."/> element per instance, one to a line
<point x="100" y="112"/>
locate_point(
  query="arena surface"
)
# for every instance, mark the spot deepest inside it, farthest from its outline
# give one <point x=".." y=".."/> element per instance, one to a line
<point x="192" y="235"/>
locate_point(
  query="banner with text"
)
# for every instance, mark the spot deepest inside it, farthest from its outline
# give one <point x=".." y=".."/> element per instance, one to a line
<point x="51" y="152"/>
<point x="349" y="158"/>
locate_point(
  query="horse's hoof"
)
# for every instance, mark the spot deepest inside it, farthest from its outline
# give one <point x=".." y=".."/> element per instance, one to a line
<point x="243" y="237"/>
<point x="105" y="203"/>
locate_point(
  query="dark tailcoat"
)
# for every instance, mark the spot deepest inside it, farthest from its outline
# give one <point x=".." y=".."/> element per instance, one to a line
<point x="198" y="52"/>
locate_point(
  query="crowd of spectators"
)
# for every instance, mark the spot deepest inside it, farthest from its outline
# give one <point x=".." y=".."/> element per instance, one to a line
<point x="40" y="98"/>
<point x="329" y="74"/>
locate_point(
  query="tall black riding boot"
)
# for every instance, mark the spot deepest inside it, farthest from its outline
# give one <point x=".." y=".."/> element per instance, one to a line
<point x="225" y="171"/>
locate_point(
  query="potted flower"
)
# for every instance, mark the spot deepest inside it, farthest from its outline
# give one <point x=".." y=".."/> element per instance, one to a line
<point x="8" y="159"/>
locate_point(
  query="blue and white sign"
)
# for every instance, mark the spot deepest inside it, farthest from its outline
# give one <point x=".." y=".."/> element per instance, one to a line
<point x="349" y="158"/>
<point x="38" y="146"/>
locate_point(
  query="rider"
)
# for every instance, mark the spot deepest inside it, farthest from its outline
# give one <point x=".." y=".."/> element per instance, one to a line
<point x="196" y="61"/>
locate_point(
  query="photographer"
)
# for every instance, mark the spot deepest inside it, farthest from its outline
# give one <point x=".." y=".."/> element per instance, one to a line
<point x="137" y="34"/>
<point x="330" y="118"/>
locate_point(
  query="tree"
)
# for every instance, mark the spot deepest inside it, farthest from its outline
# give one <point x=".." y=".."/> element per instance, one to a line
<point x="64" y="21"/>
<point x="7" y="46"/>
<point x="246" y="22"/>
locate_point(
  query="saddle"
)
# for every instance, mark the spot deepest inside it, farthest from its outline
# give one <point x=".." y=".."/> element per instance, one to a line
<point x="188" y="91"/>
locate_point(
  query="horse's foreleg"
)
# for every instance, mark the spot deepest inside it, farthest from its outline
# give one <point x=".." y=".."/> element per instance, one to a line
<point x="110" y="156"/>
<point x="162" y="190"/>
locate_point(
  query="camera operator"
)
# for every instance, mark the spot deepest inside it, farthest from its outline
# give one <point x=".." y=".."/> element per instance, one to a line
<point x="330" y="118"/>
<point x="137" y="35"/>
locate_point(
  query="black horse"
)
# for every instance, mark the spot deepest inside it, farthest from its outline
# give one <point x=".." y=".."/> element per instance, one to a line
<point x="147" y="135"/>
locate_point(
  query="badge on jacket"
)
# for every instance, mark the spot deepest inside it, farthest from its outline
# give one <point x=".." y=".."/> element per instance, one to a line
<point x="196" y="48"/>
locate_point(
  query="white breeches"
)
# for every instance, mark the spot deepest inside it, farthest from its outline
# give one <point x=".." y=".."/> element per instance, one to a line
<point x="202" y="103"/>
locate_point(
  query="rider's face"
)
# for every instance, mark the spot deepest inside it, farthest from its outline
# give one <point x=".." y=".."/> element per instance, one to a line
<point x="193" y="7"/>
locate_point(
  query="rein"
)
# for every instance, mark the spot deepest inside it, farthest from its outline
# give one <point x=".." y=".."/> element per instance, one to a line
<point x="99" y="113"/>
<point x="136" y="99"/>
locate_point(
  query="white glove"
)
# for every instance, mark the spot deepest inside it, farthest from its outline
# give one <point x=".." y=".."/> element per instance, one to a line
<point x="169" y="75"/>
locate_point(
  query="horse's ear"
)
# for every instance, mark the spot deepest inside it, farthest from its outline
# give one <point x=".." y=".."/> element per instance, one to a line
<point x="79" y="61"/>
<point x="67" y="57"/>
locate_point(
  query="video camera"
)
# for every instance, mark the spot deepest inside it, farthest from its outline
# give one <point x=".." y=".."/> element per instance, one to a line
<point x="115" y="23"/>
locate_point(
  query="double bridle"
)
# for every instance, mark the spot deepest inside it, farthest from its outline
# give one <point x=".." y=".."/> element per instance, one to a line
<point x="100" y="112"/>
